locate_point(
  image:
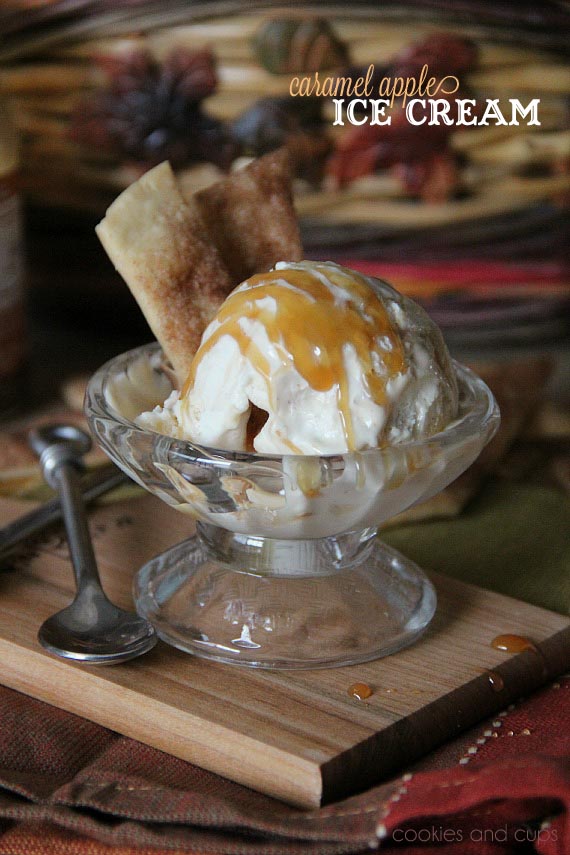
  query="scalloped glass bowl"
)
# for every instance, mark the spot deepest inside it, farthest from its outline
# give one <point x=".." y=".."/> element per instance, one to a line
<point x="286" y="570"/>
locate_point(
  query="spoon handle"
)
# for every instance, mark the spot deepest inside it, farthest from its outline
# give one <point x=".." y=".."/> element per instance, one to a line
<point x="92" y="487"/>
<point x="68" y="481"/>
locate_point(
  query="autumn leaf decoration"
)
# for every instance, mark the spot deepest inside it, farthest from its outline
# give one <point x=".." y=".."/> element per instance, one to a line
<point x="419" y="157"/>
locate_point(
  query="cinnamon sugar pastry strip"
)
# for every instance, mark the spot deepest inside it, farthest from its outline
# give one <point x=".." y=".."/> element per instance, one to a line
<point x="181" y="257"/>
<point x="160" y="246"/>
<point x="250" y="216"/>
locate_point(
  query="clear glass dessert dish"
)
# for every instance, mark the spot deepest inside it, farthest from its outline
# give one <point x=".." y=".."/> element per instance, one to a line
<point x="286" y="569"/>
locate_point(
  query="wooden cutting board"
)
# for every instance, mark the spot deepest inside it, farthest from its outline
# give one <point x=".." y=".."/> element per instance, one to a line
<point x="298" y="736"/>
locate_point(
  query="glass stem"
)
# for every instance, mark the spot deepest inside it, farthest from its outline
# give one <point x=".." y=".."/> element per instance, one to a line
<point x="271" y="556"/>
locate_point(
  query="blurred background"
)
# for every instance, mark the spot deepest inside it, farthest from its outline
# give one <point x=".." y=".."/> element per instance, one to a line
<point x="471" y="221"/>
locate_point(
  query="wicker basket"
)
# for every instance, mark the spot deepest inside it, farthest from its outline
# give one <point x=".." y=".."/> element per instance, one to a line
<point x="494" y="185"/>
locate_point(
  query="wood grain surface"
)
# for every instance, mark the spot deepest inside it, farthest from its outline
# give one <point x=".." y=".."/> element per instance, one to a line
<point x="298" y="736"/>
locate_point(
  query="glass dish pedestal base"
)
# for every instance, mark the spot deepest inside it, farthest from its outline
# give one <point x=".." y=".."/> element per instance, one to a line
<point x="294" y="604"/>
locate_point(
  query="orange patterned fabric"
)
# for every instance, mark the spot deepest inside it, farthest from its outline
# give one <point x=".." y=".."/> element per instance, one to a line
<point x="41" y="838"/>
<point x="70" y="787"/>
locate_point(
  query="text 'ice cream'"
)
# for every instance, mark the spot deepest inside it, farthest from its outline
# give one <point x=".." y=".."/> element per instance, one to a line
<point x="313" y="358"/>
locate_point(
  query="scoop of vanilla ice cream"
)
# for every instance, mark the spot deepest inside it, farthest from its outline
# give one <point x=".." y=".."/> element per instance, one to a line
<point x="336" y="362"/>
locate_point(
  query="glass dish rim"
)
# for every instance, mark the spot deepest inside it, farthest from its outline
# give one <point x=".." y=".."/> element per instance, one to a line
<point x="482" y="415"/>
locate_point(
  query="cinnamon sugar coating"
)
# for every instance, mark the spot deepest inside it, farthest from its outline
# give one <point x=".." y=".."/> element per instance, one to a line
<point x="181" y="257"/>
<point x="158" y="243"/>
<point x="250" y="216"/>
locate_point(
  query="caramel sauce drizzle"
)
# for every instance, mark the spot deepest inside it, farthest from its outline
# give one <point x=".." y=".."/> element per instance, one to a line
<point x="495" y="681"/>
<point x="360" y="691"/>
<point x="309" y="328"/>
<point x="513" y="643"/>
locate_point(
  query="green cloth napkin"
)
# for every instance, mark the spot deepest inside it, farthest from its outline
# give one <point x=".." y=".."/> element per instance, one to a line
<point x="512" y="538"/>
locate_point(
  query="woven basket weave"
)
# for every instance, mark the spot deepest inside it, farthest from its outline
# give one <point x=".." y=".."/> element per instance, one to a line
<point x="53" y="60"/>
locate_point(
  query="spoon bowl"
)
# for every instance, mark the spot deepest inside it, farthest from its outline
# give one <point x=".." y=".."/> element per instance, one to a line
<point x="94" y="630"/>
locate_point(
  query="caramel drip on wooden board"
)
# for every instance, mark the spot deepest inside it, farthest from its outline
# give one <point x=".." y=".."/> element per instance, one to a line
<point x="309" y="327"/>
<point x="513" y="643"/>
<point x="495" y="681"/>
<point x="360" y="691"/>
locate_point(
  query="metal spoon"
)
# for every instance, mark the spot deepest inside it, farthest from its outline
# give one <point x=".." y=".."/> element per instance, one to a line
<point x="91" y="629"/>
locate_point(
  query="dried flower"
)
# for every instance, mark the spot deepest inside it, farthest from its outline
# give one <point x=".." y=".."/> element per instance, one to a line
<point x="151" y="112"/>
